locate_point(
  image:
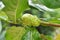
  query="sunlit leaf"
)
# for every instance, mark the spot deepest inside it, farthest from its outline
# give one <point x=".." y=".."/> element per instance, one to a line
<point x="3" y="16"/>
<point x="10" y="8"/>
<point x="40" y="7"/>
<point x="22" y="6"/>
<point x="14" y="33"/>
<point x="14" y="8"/>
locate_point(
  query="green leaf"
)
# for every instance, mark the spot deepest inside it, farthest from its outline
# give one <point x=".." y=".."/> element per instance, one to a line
<point x="22" y="6"/>
<point x="15" y="33"/>
<point x="49" y="37"/>
<point x="51" y="3"/>
<point x="55" y="17"/>
<point x="14" y="8"/>
<point x="57" y="11"/>
<point x="40" y="7"/>
<point x="10" y="9"/>
<point x="3" y="16"/>
<point x="31" y="35"/>
<point x="35" y="35"/>
<point x="55" y="20"/>
<point x="27" y="36"/>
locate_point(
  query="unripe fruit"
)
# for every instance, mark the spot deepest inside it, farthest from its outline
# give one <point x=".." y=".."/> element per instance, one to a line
<point x="30" y="20"/>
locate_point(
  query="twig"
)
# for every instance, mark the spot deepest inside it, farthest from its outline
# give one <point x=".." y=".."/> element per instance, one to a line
<point x="50" y="24"/>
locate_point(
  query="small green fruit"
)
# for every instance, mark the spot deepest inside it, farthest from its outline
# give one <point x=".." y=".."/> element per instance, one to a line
<point x="30" y="20"/>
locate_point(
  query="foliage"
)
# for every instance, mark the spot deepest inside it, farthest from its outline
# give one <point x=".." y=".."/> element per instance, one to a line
<point x="51" y="3"/>
<point x="14" y="33"/>
<point x="14" y="8"/>
<point x="31" y="35"/>
<point x="14" y="13"/>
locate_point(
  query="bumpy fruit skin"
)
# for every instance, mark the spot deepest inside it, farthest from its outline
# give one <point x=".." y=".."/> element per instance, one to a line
<point x="30" y="20"/>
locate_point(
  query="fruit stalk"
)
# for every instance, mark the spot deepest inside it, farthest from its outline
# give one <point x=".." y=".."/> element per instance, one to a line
<point x="50" y="24"/>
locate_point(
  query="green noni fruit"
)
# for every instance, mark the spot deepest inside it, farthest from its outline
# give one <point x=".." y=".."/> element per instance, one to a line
<point x="30" y="20"/>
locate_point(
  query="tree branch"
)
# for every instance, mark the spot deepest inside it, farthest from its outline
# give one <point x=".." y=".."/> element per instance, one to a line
<point x="50" y="24"/>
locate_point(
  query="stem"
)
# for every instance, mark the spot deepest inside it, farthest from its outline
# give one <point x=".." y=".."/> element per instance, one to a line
<point x="50" y="24"/>
<point x="42" y="22"/>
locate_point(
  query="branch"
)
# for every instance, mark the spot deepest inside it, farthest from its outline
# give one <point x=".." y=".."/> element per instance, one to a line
<point x="42" y="22"/>
<point x="50" y="24"/>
